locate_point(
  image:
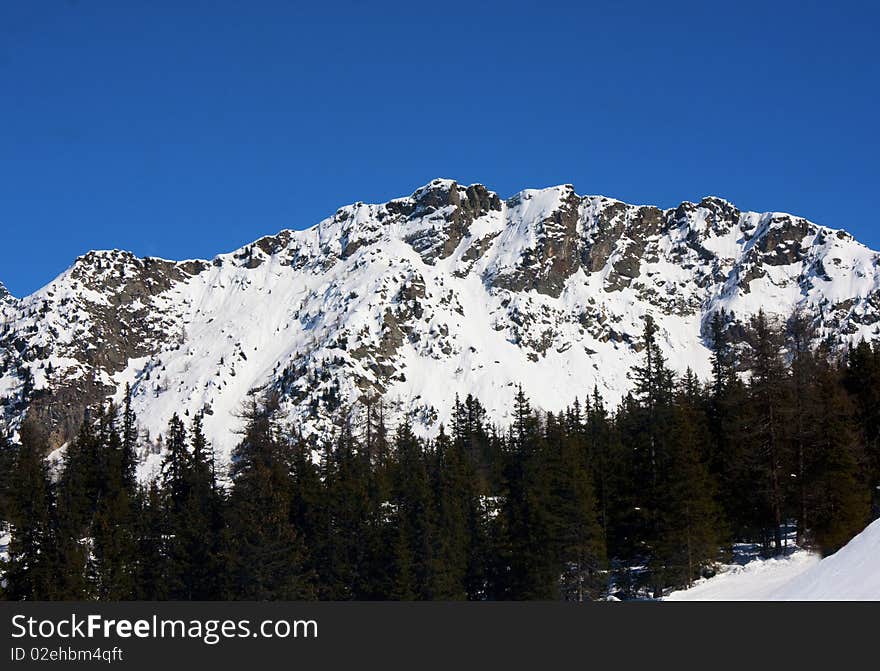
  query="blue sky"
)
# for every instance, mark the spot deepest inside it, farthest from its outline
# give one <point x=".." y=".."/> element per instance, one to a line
<point x="184" y="129"/>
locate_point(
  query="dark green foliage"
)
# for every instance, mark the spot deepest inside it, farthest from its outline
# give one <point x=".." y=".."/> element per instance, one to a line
<point x="862" y="381"/>
<point x="150" y="582"/>
<point x="572" y="505"/>
<point x="411" y="503"/>
<point x="667" y="517"/>
<point x="769" y="406"/>
<point x="192" y="516"/>
<point x="28" y="573"/>
<point x="266" y="558"/>
<point x="836" y="496"/>
<point x="689" y="520"/>
<point x="7" y="466"/>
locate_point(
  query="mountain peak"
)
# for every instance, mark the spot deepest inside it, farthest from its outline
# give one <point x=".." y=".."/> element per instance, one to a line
<point x="439" y="184"/>
<point x="715" y="200"/>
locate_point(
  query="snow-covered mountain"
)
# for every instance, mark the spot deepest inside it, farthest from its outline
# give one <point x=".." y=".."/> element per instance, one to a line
<point x="449" y="290"/>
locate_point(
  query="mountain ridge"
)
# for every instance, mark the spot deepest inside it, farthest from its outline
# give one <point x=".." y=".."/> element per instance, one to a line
<point x="448" y="290"/>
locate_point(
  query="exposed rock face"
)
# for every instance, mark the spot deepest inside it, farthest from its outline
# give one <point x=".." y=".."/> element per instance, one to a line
<point x="554" y="254"/>
<point x="449" y="209"/>
<point x="451" y="289"/>
<point x="68" y="340"/>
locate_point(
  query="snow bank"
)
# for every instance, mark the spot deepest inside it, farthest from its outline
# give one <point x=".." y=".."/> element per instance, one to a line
<point x="755" y="581"/>
<point x="850" y="574"/>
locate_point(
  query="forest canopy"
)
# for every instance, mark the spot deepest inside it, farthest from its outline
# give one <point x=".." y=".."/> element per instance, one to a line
<point x="583" y="504"/>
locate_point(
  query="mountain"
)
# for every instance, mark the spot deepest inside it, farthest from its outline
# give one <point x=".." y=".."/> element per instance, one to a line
<point x="449" y="290"/>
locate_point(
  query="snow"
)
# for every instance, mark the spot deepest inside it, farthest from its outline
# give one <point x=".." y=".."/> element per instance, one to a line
<point x="850" y="574"/>
<point x="755" y="581"/>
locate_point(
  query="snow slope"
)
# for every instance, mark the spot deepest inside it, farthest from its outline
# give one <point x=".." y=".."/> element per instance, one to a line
<point x="850" y="574"/>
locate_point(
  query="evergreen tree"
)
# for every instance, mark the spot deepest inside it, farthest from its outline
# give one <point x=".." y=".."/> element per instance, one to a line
<point x="862" y="380"/>
<point x="29" y="569"/>
<point x="455" y="500"/>
<point x="412" y="501"/>
<point x="578" y="533"/>
<point x="804" y="405"/>
<point x="838" y="496"/>
<point x="193" y="521"/>
<point x="650" y="448"/>
<point x="7" y="485"/>
<point x="267" y="557"/>
<point x="112" y="529"/>
<point x="150" y="563"/>
<point x="768" y="400"/>
<point x="128" y="455"/>
<point x="343" y="565"/>
<point x="528" y="510"/>
<point x="724" y="421"/>
<point x="598" y="434"/>
<point x="688" y="538"/>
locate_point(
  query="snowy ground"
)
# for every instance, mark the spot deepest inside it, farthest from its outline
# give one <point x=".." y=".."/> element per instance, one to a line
<point x="851" y="574"/>
<point x="4" y="541"/>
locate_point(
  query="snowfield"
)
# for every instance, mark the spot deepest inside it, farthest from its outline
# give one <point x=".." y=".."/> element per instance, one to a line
<point x="850" y="574"/>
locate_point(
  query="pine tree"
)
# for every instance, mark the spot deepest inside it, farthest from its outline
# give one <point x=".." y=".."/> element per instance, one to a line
<point x="724" y="406"/>
<point x="193" y="517"/>
<point x="267" y="557"/>
<point x="768" y="399"/>
<point x="113" y="541"/>
<point x="150" y="533"/>
<point x="455" y="500"/>
<point x="650" y="445"/>
<point x="688" y="537"/>
<point x="346" y="494"/>
<point x="128" y="456"/>
<point x="862" y="381"/>
<point x="7" y="465"/>
<point x="577" y="533"/>
<point x="598" y="435"/>
<point x="804" y="404"/>
<point x="29" y="568"/>
<point x="838" y="496"/>
<point x="731" y="459"/>
<point x="412" y="500"/>
<point x="78" y="493"/>
<point x="308" y="503"/>
<point x="528" y="510"/>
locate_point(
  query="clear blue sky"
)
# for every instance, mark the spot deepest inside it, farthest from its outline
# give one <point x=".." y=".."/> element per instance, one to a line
<point x="183" y="129"/>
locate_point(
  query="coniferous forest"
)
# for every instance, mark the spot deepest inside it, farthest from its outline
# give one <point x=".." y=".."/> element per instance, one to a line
<point x="594" y="501"/>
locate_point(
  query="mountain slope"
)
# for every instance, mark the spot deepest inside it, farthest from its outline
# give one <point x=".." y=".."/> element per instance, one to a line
<point x="450" y="290"/>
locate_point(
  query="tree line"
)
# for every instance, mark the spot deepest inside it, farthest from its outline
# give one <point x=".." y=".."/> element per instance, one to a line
<point x="577" y="505"/>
